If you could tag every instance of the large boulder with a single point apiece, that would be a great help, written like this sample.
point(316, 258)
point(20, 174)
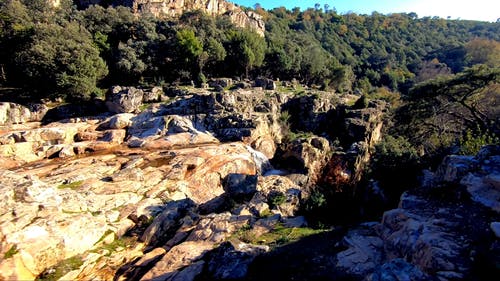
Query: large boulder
point(153, 95)
point(12, 113)
point(178, 258)
point(265, 83)
point(124, 99)
point(231, 260)
point(308, 156)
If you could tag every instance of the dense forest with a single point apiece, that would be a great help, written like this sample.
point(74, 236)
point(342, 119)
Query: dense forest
point(441, 76)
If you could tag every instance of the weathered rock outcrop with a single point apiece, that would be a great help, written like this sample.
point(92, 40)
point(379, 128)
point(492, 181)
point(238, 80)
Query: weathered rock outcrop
point(163, 190)
point(435, 232)
point(11, 113)
point(175, 8)
point(124, 99)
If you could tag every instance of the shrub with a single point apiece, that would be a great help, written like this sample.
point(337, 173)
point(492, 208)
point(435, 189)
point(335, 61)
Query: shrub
point(471, 142)
point(276, 198)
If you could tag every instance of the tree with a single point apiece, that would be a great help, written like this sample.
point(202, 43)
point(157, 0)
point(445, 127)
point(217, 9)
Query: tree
point(60, 60)
point(189, 49)
point(245, 50)
point(483, 51)
point(440, 111)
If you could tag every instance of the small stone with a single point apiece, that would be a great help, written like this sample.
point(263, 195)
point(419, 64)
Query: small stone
point(495, 227)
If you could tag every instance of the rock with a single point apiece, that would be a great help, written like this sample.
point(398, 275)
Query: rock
point(114, 136)
point(495, 227)
point(22, 152)
point(266, 145)
point(14, 269)
point(280, 192)
point(124, 99)
point(216, 228)
point(299, 221)
point(117, 121)
point(11, 113)
point(398, 269)
point(240, 186)
point(190, 272)
point(67, 151)
point(178, 257)
point(221, 82)
point(171, 8)
point(308, 156)
point(37, 111)
point(230, 261)
point(166, 223)
point(267, 84)
point(154, 95)
point(453, 168)
point(364, 252)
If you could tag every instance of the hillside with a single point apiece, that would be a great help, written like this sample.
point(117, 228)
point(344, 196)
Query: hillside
point(171, 140)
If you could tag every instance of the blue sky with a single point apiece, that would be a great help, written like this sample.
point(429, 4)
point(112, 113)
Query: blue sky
point(486, 10)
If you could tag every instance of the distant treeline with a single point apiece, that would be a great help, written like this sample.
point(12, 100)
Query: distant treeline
point(74, 53)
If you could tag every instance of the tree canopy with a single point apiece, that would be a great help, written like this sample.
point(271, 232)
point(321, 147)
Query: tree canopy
point(65, 51)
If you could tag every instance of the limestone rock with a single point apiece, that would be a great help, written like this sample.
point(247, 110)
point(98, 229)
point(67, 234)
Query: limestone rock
point(170, 8)
point(269, 188)
point(153, 95)
point(398, 269)
point(166, 223)
point(240, 186)
point(364, 252)
point(308, 156)
point(177, 258)
point(117, 121)
point(267, 84)
point(230, 261)
point(12, 113)
point(124, 99)
point(216, 228)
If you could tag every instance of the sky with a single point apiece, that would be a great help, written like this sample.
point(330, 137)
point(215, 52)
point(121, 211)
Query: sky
point(484, 10)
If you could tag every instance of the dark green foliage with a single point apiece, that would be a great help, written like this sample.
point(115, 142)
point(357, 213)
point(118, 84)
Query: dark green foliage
point(472, 141)
point(276, 198)
point(395, 166)
point(48, 54)
point(245, 51)
point(324, 49)
point(439, 112)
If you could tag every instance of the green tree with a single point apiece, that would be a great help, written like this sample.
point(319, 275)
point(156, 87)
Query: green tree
point(439, 112)
point(245, 50)
point(190, 56)
point(60, 60)
point(483, 51)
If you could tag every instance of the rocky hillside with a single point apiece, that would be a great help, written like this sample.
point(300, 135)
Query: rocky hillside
point(175, 8)
point(179, 184)
point(154, 193)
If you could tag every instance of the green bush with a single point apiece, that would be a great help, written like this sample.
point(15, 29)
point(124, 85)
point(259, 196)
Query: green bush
point(395, 165)
point(276, 198)
point(471, 142)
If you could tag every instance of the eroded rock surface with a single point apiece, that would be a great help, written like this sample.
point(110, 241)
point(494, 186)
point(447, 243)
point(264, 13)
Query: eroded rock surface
point(435, 232)
point(156, 194)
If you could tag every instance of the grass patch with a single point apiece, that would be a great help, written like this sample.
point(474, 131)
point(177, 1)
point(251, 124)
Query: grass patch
point(143, 107)
point(117, 245)
point(60, 269)
point(72, 185)
point(11, 252)
point(279, 236)
point(291, 136)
